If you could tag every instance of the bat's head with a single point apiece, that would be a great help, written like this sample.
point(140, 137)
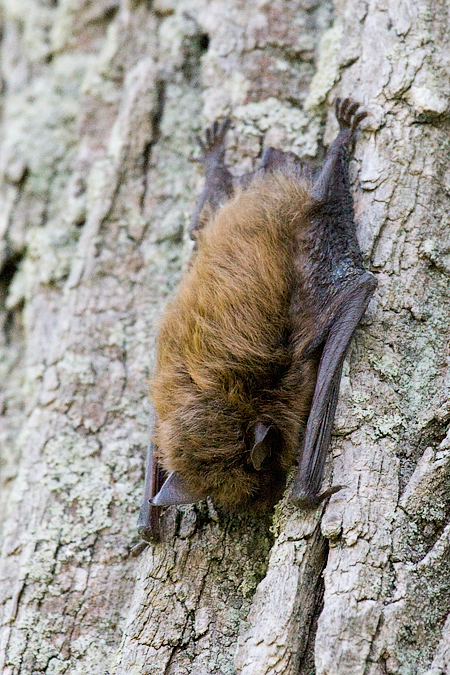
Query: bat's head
point(211, 449)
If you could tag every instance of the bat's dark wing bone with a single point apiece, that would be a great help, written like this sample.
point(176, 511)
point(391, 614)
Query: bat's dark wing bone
point(218, 180)
point(353, 304)
point(148, 521)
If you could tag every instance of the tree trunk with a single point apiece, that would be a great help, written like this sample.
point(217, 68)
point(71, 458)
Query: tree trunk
point(101, 102)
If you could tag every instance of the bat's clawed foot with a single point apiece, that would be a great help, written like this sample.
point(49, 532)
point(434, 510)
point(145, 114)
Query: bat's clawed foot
point(213, 145)
point(308, 500)
point(349, 113)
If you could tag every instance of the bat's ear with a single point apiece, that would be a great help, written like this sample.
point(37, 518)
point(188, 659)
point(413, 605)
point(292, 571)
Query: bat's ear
point(175, 491)
point(262, 446)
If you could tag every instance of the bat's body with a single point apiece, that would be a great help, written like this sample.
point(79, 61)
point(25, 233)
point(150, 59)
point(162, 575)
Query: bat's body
point(250, 351)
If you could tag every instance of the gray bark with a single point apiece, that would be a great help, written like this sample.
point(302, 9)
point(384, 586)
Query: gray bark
point(100, 105)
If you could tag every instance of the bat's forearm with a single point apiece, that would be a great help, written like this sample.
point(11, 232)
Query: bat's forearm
point(148, 520)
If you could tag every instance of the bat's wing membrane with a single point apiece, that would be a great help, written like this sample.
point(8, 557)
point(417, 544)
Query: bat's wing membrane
point(288, 162)
point(148, 521)
point(353, 304)
point(160, 490)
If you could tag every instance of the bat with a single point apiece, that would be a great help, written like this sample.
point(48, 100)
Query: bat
point(250, 351)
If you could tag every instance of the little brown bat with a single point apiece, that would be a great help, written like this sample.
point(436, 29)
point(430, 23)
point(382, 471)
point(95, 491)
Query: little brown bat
point(250, 351)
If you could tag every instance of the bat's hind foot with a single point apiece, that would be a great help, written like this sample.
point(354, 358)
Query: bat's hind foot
point(349, 113)
point(213, 144)
point(308, 500)
point(218, 180)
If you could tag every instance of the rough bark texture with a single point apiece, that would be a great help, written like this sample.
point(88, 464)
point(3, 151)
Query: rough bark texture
point(100, 103)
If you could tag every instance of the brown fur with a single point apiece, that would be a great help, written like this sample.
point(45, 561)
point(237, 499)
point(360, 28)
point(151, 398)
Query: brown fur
point(225, 357)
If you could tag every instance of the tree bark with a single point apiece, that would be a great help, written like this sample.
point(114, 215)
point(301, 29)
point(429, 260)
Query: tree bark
point(100, 105)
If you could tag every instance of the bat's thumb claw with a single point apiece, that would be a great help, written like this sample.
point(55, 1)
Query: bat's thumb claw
point(138, 548)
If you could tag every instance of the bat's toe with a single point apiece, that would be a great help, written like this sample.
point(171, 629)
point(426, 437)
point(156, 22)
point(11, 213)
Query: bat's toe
point(349, 113)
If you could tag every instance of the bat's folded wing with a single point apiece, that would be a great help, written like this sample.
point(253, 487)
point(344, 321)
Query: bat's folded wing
point(350, 309)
